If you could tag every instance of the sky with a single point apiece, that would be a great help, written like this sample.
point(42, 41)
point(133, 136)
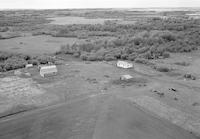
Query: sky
point(63, 4)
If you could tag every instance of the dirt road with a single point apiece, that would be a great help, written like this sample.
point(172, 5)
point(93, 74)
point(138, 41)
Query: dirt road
point(96, 117)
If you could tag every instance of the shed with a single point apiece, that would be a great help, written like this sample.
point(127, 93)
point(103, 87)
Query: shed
point(29, 65)
point(124, 64)
point(126, 77)
point(48, 70)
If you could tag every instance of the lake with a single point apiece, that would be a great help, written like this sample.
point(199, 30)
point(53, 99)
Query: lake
point(79, 20)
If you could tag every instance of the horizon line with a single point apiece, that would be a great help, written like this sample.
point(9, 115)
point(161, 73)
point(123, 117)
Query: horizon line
point(173, 7)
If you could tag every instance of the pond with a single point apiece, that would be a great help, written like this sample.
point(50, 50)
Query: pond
point(79, 20)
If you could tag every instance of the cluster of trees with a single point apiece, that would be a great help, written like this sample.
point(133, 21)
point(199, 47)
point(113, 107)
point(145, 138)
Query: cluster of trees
point(151, 39)
point(186, 32)
point(173, 24)
point(22, 20)
point(146, 44)
point(11, 61)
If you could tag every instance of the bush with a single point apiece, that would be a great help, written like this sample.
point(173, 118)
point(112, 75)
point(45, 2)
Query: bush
point(124, 56)
point(92, 57)
point(87, 47)
point(138, 40)
point(5, 55)
point(168, 36)
point(45, 59)
point(76, 54)
point(14, 63)
point(25, 57)
point(132, 56)
point(66, 49)
point(166, 55)
point(182, 63)
point(84, 55)
point(1, 67)
point(141, 61)
point(33, 61)
point(4, 29)
point(162, 68)
point(190, 76)
point(109, 57)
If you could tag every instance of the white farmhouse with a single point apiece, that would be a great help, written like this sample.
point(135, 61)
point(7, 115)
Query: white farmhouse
point(48, 70)
point(124, 64)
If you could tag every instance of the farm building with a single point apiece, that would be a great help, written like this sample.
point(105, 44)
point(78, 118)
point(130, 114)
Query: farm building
point(124, 64)
point(48, 70)
point(29, 65)
point(126, 77)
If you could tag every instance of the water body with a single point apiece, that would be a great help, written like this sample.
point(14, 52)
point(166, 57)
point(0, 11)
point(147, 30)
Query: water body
point(68, 20)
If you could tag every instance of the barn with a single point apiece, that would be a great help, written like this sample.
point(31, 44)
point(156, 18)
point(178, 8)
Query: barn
point(48, 70)
point(124, 64)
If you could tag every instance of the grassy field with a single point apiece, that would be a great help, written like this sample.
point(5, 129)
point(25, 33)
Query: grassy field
point(163, 47)
point(77, 80)
point(34, 45)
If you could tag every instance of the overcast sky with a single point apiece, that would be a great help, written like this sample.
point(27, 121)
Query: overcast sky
point(48, 4)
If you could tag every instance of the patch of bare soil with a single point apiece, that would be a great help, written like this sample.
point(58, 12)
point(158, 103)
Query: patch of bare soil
point(121, 119)
point(22, 94)
point(130, 82)
point(186, 121)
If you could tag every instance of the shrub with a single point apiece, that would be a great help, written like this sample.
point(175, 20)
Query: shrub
point(58, 52)
point(76, 54)
point(45, 59)
point(92, 57)
point(101, 52)
point(4, 29)
point(147, 55)
point(120, 41)
point(166, 55)
point(124, 56)
point(109, 57)
point(190, 76)
point(182, 63)
point(138, 40)
point(132, 56)
point(14, 63)
point(33, 61)
point(84, 55)
point(87, 47)
point(1, 67)
point(141, 60)
point(162, 68)
point(5, 55)
point(25, 57)
point(168, 36)
point(66, 49)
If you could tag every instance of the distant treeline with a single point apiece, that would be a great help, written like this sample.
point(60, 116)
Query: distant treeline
point(12, 61)
point(152, 39)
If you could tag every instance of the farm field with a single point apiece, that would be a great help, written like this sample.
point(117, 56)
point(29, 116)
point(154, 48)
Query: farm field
point(30, 44)
point(87, 98)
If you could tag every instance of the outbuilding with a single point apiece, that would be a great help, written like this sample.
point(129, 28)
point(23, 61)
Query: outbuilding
point(126, 77)
point(48, 70)
point(124, 64)
point(29, 65)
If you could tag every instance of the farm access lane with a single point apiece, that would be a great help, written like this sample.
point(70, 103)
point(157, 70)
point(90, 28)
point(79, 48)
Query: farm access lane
point(96, 117)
